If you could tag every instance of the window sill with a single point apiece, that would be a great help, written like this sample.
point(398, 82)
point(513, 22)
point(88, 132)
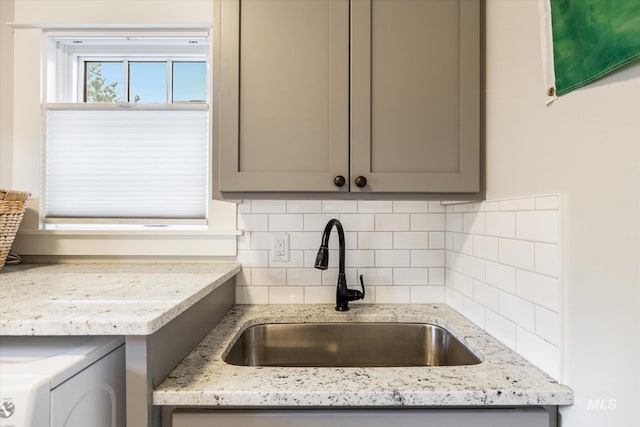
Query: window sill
point(157, 243)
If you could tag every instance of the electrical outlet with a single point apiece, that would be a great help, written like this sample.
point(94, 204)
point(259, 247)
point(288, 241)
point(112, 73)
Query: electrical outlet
point(280, 248)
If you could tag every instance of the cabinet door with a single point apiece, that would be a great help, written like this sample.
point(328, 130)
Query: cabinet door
point(415, 95)
point(284, 97)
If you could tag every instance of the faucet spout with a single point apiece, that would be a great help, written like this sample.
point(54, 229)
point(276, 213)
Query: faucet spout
point(343, 293)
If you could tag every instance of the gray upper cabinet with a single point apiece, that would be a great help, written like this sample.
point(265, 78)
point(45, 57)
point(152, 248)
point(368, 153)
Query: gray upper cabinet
point(385, 90)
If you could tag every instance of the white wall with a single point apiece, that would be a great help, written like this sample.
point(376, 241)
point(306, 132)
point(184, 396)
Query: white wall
point(6, 93)
point(585, 146)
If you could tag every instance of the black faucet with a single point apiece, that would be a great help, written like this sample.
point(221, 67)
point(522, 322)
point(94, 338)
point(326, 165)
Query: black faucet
point(343, 294)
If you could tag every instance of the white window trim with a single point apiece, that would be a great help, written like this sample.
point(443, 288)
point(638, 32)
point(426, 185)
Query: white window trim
point(72, 49)
point(219, 239)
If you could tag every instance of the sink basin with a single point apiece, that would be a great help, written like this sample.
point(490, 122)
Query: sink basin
point(348, 345)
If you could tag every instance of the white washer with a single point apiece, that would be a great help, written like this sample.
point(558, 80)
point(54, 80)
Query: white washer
point(62, 381)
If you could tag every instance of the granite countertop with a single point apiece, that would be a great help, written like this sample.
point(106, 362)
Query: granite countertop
point(102, 299)
point(502, 379)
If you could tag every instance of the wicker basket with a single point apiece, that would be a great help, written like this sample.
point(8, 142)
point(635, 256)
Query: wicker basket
point(12, 207)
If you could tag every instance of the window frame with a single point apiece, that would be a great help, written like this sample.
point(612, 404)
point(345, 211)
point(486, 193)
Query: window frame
point(81, 64)
point(64, 84)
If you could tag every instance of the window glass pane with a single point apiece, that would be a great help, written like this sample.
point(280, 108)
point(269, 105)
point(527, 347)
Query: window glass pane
point(103, 81)
point(189, 82)
point(148, 82)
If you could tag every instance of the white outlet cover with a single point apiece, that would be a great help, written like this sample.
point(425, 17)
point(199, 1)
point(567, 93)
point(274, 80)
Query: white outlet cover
point(280, 247)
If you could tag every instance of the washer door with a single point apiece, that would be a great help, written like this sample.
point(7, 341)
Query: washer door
point(95, 396)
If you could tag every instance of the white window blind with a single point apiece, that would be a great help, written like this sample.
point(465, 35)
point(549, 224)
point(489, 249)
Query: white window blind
point(111, 162)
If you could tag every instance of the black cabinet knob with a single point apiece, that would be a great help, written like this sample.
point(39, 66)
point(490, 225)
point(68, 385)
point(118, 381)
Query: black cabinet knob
point(361, 181)
point(339, 181)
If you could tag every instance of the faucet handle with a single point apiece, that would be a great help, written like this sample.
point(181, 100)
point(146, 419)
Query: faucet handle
point(354, 294)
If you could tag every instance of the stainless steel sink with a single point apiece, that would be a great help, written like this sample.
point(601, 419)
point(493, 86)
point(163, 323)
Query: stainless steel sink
point(348, 345)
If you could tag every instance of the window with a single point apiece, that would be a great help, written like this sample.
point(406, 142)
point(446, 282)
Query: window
point(127, 132)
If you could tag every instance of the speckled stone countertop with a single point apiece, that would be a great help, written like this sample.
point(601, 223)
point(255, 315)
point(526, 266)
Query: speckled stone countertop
point(502, 379)
point(102, 299)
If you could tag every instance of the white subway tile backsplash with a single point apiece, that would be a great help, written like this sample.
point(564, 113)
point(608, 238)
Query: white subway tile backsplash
point(453, 260)
point(319, 295)
point(243, 206)
point(488, 207)
point(252, 295)
point(330, 277)
point(410, 206)
point(268, 276)
point(547, 259)
point(539, 289)
point(340, 206)
point(410, 240)
point(500, 224)
point(453, 299)
point(304, 240)
point(473, 311)
point(253, 258)
point(375, 206)
point(436, 240)
point(304, 276)
point(393, 294)
point(427, 258)
point(392, 258)
point(362, 258)
point(463, 284)
point(518, 310)
point(544, 355)
point(374, 277)
point(296, 260)
point(548, 325)
point(253, 222)
point(473, 223)
point(473, 267)
point(244, 241)
point(485, 247)
point(517, 204)
point(268, 206)
point(375, 240)
point(541, 226)
point(463, 207)
point(244, 277)
point(304, 206)
point(496, 262)
point(392, 222)
point(486, 295)
point(463, 243)
point(286, 222)
point(436, 206)
point(501, 276)
point(358, 222)
point(411, 276)
point(453, 222)
point(316, 222)
point(286, 295)
point(548, 202)
point(261, 240)
point(427, 294)
point(504, 330)
point(427, 222)
point(517, 253)
point(437, 276)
